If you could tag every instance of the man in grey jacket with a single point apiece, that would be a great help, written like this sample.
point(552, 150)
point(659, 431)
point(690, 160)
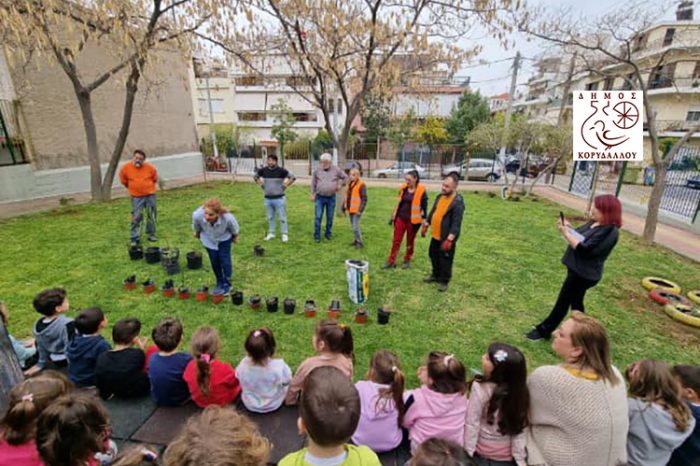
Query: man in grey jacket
point(275, 180)
point(325, 183)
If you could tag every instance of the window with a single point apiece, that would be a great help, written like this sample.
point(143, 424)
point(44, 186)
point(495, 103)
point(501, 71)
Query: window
point(592, 86)
point(304, 116)
point(11, 140)
point(608, 83)
point(668, 38)
point(640, 43)
point(662, 76)
point(334, 104)
point(693, 115)
point(298, 81)
point(217, 106)
point(251, 116)
point(696, 71)
point(250, 80)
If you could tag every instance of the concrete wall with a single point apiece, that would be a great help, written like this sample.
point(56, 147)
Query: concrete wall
point(162, 124)
point(21, 182)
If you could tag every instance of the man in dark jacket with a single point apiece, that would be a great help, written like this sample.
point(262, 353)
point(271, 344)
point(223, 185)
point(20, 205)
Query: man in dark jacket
point(275, 180)
point(445, 222)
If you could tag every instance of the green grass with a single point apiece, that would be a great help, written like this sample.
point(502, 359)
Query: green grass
point(507, 275)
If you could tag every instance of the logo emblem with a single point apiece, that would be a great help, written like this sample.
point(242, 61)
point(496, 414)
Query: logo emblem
point(607, 125)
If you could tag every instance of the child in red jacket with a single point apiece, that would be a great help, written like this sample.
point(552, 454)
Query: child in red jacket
point(211, 382)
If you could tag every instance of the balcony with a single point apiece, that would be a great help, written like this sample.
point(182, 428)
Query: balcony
point(672, 127)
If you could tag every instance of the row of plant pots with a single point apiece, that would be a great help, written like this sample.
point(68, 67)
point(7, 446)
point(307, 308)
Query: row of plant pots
point(256, 301)
point(168, 257)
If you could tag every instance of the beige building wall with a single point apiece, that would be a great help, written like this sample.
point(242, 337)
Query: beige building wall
point(162, 122)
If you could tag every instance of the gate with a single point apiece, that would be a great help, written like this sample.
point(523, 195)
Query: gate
point(682, 193)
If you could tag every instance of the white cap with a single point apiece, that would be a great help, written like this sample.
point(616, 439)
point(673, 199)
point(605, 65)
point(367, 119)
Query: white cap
point(326, 156)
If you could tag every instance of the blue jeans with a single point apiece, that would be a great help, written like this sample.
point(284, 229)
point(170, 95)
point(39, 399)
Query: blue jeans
point(327, 203)
point(138, 204)
point(278, 206)
point(221, 263)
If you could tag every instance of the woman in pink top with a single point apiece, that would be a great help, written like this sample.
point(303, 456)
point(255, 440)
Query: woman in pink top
point(334, 347)
point(497, 416)
point(438, 408)
point(28, 400)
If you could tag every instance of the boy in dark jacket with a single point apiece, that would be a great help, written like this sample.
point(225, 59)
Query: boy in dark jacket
point(166, 367)
point(119, 372)
point(86, 347)
point(688, 454)
point(53, 332)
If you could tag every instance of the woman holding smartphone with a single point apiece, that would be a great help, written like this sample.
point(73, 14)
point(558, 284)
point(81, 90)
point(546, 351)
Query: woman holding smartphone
point(589, 247)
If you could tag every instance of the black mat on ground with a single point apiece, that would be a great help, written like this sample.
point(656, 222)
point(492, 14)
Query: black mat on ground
point(165, 424)
point(126, 416)
point(280, 428)
point(395, 457)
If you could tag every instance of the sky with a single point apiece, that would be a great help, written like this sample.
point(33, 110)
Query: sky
point(494, 78)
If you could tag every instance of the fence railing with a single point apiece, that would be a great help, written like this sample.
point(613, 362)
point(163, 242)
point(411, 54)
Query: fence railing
point(12, 149)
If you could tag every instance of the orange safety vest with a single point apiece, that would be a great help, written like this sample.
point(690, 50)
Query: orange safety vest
point(416, 217)
point(355, 199)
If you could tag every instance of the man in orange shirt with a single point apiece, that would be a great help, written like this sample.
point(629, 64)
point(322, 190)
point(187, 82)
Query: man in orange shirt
point(140, 179)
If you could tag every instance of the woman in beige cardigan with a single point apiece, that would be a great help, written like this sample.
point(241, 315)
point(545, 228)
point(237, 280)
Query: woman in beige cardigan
point(579, 407)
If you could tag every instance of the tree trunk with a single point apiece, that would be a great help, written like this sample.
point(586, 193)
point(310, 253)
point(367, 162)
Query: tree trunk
point(547, 170)
point(342, 154)
point(657, 193)
point(594, 188)
point(93, 151)
point(11, 373)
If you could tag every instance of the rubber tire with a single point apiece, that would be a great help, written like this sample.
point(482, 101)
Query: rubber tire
point(649, 284)
point(661, 296)
point(694, 296)
point(675, 314)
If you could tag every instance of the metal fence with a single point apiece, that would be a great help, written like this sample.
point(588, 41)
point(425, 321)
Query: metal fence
point(12, 149)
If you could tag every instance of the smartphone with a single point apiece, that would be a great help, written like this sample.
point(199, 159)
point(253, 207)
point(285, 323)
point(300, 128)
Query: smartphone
point(561, 217)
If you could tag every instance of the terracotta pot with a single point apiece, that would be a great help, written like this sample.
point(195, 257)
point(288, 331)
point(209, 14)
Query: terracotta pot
point(361, 318)
point(310, 313)
point(129, 285)
point(255, 302)
point(217, 298)
point(149, 288)
point(333, 314)
point(183, 294)
point(169, 292)
point(201, 296)
point(310, 308)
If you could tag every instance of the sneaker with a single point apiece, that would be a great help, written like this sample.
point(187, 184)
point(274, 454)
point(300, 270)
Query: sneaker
point(535, 335)
point(358, 245)
point(406, 265)
point(429, 279)
point(226, 290)
point(134, 242)
point(285, 238)
point(318, 240)
point(217, 290)
point(354, 243)
point(388, 265)
point(442, 287)
point(329, 237)
point(152, 238)
point(269, 237)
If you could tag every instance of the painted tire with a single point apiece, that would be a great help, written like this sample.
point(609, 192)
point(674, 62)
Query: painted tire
point(676, 313)
point(655, 282)
point(664, 297)
point(694, 296)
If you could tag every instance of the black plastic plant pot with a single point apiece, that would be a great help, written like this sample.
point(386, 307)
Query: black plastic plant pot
point(335, 305)
point(152, 255)
point(258, 250)
point(237, 298)
point(168, 284)
point(272, 304)
point(172, 267)
point(289, 305)
point(194, 260)
point(383, 316)
point(136, 252)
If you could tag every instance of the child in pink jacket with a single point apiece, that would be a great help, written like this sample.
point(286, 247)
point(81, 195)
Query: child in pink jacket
point(438, 408)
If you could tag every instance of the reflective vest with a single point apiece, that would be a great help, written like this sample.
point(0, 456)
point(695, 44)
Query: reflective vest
point(355, 199)
point(416, 217)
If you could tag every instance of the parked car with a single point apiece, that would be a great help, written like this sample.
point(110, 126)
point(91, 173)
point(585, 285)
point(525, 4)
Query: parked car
point(479, 169)
point(399, 169)
point(693, 182)
point(350, 164)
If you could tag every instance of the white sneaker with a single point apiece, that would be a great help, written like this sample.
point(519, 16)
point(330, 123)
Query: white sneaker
point(269, 237)
point(285, 238)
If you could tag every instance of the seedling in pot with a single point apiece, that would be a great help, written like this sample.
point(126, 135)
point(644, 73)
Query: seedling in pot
point(130, 282)
point(361, 315)
point(383, 315)
point(183, 292)
point(289, 305)
point(255, 301)
point(310, 308)
point(202, 294)
point(168, 289)
point(149, 286)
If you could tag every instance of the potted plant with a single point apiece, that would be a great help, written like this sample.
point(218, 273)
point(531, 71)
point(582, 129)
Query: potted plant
point(135, 252)
point(194, 260)
point(149, 286)
point(237, 298)
point(289, 305)
point(361, 315)
point(130, 282)
point(183, 293)
point(383, 315)
point(152, 255)
point(168, 289)
point(170, 259)
point(201, 294)
point(272, 304)
point(310, 308)
point(217, 298)
point(334, 310)
point(255, 302)
point(258, 251)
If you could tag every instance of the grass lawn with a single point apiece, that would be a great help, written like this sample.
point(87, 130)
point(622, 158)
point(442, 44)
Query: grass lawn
point(507, 275)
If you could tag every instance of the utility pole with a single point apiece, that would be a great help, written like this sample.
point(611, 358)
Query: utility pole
point(212, 131)
point(567, 89)
point(509, 108)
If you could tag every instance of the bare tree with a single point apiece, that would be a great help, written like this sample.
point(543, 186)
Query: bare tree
point(132, 32)
point(614, 45)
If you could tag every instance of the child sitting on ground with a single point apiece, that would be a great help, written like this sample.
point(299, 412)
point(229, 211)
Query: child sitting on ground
point(382, 408)
point(334, 345)
point(27, 401)
point(499, 403)
point(166, 367)
point(119, 372)
point(329, 410)
point(73, 430)
point(689, 452)
point(25, 350)
point(438, 408)
point(86, 347)
point(659, 420)
point(264, 379)
point(441, 452)
point(219, 436)
point(211, 382)
point(53, 332)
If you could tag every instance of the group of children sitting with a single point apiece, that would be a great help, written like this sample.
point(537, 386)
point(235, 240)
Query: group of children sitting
point(50, 423)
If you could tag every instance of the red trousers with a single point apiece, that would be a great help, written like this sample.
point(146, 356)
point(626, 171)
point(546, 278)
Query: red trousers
point(401, 226)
